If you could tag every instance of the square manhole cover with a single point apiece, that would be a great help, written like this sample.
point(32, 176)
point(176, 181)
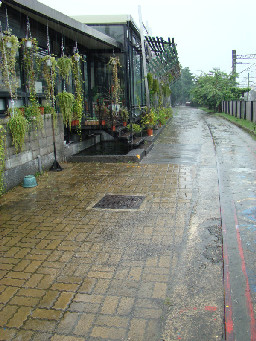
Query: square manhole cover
point(111, 201)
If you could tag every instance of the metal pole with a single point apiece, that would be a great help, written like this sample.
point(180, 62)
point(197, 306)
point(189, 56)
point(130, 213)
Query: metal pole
point(144, 57)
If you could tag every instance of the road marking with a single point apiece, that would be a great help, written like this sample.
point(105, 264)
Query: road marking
point(247, 288)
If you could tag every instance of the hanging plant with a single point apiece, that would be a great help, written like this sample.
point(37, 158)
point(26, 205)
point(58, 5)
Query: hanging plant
point(18, 126)
point(49, 73)
point(155, 86)
point(9, 46)
point(64, 65)
point(2, 157)
point(77, 78)
point(31, 62)
point(124, 114)
point(31, 65)
point(65, 101)
point(150, 80)
point(33, 115)
point(116, 88)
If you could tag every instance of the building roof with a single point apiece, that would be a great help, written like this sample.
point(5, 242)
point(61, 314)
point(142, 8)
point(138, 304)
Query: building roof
point(73, 29)
point(106, 19)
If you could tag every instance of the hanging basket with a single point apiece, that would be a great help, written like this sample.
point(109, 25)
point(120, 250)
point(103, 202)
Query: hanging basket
point(8, 45)
point(48, 62)
point(29, 44)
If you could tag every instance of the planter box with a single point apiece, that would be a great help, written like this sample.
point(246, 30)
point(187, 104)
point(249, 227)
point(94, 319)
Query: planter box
point(92, 123)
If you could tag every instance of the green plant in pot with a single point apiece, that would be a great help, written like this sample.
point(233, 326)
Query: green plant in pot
point(124, 113)
point(9, 46)
point(31, 63)
point(135, 128)
point(161, 116)
point(77, 78)
point(18, 126)
point(33, 115)
point(2, 157)
point(66, 101)
point(64, 65)
point(49, 73)
point(149, 118)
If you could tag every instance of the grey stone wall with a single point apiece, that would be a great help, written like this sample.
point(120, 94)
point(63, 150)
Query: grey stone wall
point(38, 147)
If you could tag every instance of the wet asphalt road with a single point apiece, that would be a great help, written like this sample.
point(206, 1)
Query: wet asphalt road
point(74, 269)
point(232, 169)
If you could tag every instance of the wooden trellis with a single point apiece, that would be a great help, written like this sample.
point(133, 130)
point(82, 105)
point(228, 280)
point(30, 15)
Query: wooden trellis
point(163, 60)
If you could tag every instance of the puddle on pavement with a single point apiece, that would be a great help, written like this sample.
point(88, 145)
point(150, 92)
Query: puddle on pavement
point(107, 148)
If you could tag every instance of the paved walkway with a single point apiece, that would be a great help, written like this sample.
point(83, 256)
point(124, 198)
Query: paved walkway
point(72, 272)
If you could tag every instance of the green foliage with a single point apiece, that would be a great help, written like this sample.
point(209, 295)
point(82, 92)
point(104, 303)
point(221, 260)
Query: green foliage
point(155, 86)
point(9, 46)
point(64, 65)
point(18, 126)
point(49, 73)
point(65, 101)
point(124, 113)
point(31, 63)
point(136, 128)
point(2, 157)
point(77, 77)
point(114, 62)
point(33, 115)
point(213, 88)
point(161, 116)
point(149, 118)
point(181, 89)
point(150, 80)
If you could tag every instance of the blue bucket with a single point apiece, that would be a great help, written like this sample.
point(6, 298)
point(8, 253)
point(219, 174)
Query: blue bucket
point(29, 181)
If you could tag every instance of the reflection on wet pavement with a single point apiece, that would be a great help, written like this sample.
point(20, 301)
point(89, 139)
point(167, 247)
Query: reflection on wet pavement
point(70, 271)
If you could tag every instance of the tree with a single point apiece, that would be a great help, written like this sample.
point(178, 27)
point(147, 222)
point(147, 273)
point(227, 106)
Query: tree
point(213, 88)
point(182, 87)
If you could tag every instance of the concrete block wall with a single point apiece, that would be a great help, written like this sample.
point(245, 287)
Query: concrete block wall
point(37, 150)
point(241, 109)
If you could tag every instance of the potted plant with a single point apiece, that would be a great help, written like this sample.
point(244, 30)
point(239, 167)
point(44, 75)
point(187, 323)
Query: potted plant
point(77, 78)
point(124, 115)
point(161, 117)
point(31, 63)
point(49, 74)
point(135, 128)
point(33, 115)
point(149, 120)
point(64, 65)
point(105, 114)
point(9, 46)
point(65, 101)
point(18, 126)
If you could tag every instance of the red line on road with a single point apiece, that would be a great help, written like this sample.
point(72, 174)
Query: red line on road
point(229, 326)
point(247, 287)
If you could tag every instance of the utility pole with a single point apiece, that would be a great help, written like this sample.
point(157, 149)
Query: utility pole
point(144, 57)
point(234, 63)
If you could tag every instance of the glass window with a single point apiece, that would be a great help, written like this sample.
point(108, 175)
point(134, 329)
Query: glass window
point(114, 31)
point(2, 104)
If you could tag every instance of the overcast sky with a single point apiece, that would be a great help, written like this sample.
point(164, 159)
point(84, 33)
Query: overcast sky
point(205, 31)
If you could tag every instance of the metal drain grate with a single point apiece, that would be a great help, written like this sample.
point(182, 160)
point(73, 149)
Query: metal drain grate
point(120, 202)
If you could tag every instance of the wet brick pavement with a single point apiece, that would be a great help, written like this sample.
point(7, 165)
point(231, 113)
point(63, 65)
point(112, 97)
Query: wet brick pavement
point(73, 272)
point(68, 269)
